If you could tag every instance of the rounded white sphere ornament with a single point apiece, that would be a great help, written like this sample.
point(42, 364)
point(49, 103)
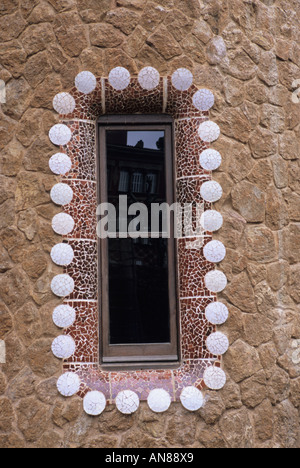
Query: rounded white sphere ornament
point(119, 78)
point(214, 378)
point(182, 79)
point(94, 403)
point(211, 191)
point(62, 254)
point(209, 131)
point(63, 224)
point(214, 251)
point(217, 313)
point(203, 100)
point(149, 78)
point(210, 159)
point(211, 220)
point(127, 402)
point(68, 384)
point(62, 285)
point(191, 399)
point(64, 316)
point(61, 194)
point(215, 281)
point(60, 164)
point(217, 344)
point(159, 400)
point(63, 347)
point(85, 82)
point(60, 134)
point(64, 103)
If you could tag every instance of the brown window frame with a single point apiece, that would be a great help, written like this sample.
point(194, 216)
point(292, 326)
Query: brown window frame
point(143, 356)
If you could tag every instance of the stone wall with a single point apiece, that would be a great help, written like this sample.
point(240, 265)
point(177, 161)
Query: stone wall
point(248, 53)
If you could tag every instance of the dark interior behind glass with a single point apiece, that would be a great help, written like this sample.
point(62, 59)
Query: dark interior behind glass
point(139, 310)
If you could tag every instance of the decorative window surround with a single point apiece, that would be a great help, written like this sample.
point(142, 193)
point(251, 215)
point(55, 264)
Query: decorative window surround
point(76, 132)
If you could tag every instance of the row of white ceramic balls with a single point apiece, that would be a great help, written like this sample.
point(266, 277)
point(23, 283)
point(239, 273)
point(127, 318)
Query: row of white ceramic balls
point(128, 402)
point(120, 78)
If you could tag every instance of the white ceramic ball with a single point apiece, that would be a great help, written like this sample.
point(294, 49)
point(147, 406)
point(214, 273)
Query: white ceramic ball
point(63, 347)
point(68, 384)
point(62, 285)
point(214, 251)
point(119, 78)
point(209, 131)
point(210, 159)
point(64, 103)
point(211, 191)
point(94, 403)
point(127, 402)
point(182, 79)
point(62, 254)
point(60, 134)
point(215, 281)
point(85, 82)
point(211, 220)
point(63, 224)
point(159, 400)
point(149, 78)
point(203, 100)
point(60, 164)
point(192, 399)
point(217, 313)
point(64, 316)
point(61, 194)
point(214, 378)
point(217, 344)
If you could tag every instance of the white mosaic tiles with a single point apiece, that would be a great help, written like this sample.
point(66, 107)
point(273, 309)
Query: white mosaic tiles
point(62, 254)
point(209, 131)
point(68, 384)
point(211, 191)
point(217, 313)
point(63, 347)
point(149, 78)
point(159, 400)
point(64, 103)
point(64, 316)
point(94, 403)
point(119, 78)
point(61, 194)
point(127, 402)
point(217, 343)
point(214, 378)
point(60, 134)
point(62, 285)
point(191, 399)
point(60, 164)
point(182, 79)
point(63, 224)
point(210, 159)
point(215, 281)
point(214, 251)
point(85, 82)
point(211, 220)
point(203, 100)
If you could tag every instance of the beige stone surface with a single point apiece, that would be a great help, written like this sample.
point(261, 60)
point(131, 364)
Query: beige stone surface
point(247, 53)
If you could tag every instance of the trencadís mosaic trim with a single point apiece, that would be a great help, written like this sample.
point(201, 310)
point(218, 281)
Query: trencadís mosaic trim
point(199, 281)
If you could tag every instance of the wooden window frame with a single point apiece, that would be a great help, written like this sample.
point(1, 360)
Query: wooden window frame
point(143, 356)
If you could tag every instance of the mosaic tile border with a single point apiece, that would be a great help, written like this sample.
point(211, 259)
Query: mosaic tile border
point(120, 93)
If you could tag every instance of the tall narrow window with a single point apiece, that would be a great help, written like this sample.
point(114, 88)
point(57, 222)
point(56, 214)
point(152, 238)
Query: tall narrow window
point(137, 261)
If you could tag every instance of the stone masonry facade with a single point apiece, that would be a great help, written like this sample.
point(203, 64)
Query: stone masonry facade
point(247, 52)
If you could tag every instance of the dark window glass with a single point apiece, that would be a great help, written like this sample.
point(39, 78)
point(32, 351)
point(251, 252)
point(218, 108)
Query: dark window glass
point(138, 274)
point(138, 268)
